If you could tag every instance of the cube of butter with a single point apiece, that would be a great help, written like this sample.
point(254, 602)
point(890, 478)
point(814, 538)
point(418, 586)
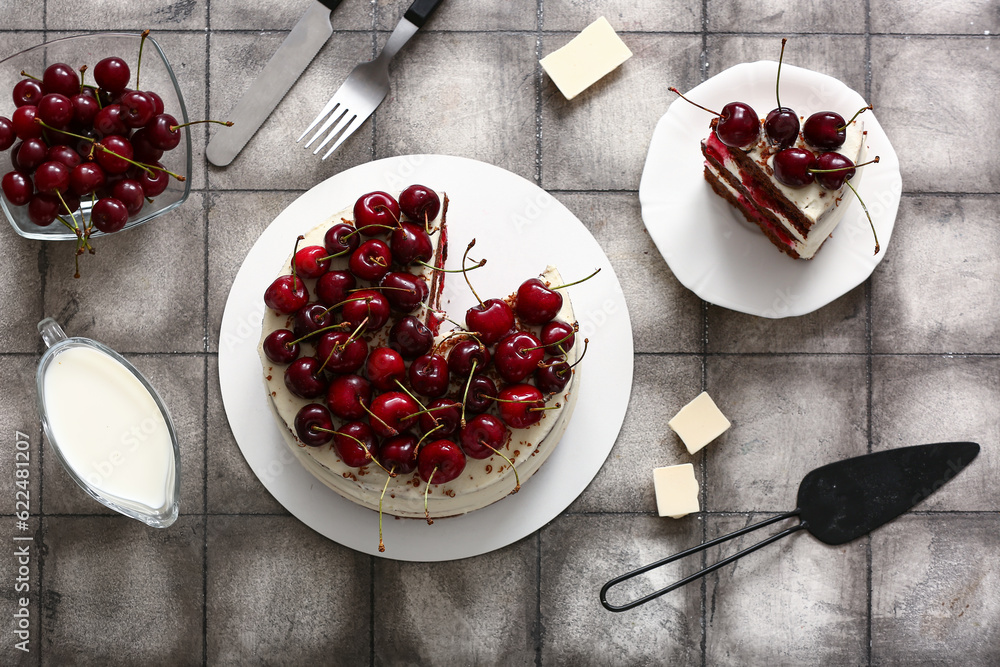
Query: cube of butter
point(699, 422)
point(676, 490)
point(586, 58)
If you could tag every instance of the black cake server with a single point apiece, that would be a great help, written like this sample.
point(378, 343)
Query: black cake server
point(840, 502)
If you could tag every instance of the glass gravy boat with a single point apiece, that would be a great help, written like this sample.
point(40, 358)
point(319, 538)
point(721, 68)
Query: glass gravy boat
point(108, 427)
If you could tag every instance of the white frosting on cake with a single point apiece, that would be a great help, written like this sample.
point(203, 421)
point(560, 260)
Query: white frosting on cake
point(482, 482)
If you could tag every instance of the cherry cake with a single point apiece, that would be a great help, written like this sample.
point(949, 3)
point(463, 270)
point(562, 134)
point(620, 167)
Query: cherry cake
point(387, 399)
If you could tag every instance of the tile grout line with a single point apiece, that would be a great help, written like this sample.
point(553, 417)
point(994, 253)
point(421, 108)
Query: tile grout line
point(43, 266)
point(206, 202)
point(536, 626)
point(371, 559)
point(868, 356)
point(702, 464)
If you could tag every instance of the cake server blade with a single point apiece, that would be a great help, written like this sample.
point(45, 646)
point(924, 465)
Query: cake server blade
point(281, 72)
point(840, 502)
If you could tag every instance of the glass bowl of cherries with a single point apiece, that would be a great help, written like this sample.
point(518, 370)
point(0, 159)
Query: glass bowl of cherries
point(93, 137)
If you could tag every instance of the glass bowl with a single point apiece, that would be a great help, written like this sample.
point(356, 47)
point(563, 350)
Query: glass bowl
point(156, 75)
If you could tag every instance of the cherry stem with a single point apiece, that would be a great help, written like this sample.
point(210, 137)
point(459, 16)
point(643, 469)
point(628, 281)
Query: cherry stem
point(368, 452)
point(392, 431)
point(511, 400)
point(870, 222)
point(427, 514)
point(577, 282)
point(423, 408)
point(29, 76)
point(465, 274)
point(338, 254)
point(777, 79)
point(452, 334)
point(138, 65)
point(381, 544)
point(430, 410)
point(366, 227)
point(341, 346)
point(342, 325)
point(227, 123)
point(831, 171)
point(547, 407)
point(586, 342)
point(366, 299)
point(481, 262)
point(389, 211)
point(381, 287)
point(558, 343)
point(83, 73)
point(860, 111)
point(674, 90)
point(416, 448)
point(517, 478)
point(167, 171)
point(295, 251)
point(465, 394)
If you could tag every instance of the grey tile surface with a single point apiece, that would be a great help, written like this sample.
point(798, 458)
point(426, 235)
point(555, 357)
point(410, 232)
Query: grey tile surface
point(907, 84)
point(140, 601)
point(941, 598)
point(796, 602)
point(909, 357)
point(475, 618)
point(944, 242)
point(279, 593)
point(778, 433)
point(785, 16)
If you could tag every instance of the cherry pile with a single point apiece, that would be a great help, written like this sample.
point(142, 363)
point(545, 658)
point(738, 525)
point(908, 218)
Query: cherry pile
point(738, 126)
point(399, 399)
point(101, 143)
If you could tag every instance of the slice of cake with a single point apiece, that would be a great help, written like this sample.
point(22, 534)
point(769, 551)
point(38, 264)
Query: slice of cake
point(798, 220)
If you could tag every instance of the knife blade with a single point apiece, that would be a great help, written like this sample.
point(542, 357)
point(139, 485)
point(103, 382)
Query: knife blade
point(275, 80)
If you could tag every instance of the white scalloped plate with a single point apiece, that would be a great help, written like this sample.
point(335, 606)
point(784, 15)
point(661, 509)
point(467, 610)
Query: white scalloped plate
point(711, 248)
point(520, 228)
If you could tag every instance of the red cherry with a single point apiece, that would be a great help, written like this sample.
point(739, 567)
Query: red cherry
point(64, 154)
point(371, 260)
point(130, 193)
point(384, 368)
point(393, 412)
point(792, 167)
point(55, 110)
point(405, 291)
point(825, 129)
point(138, 108)
point(519, 405)
point(303, 379)
point(286, 294)
point(464, 353)
point(340, 239)
point(490, 320)
point(313, 425)
point(410, 242)
point(334, 287)
point(536, 303)
point(7, 134)
point(23, 120)
point(410, 337)
point(277, 349)
point(61, 78)
point(482, 390)
point(31, 153)
point(42, 209)
point(17, 187)
point(554, 337)
point(355, 444)
point(157, 101)
point(376, 208)
point(440, 461)
point(782, 127)
point(834, 180)
point(340, 352)
point(109, 215)
point(153, 184)
point(163, 133)
point(109, 121)
point(366, 305)
point(309, 262)
point(517, 356)
point(552, 376)
point(52, 177)
point(419, 203)
point(144, 151)
point(429, 375)
point(348, 396)
point(115, 157)
point(739, 125)
point(85, 108)
point(112, 74)
point(27, 91)
point(445, 416)
point(482, 435)
point(399, 453)
point(311, 318)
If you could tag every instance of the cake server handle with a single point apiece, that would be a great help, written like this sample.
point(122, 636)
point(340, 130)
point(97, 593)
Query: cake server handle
point(701, 573)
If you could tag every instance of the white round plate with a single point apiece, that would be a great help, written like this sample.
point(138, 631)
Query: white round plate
point(520, 229)
point(709, 245)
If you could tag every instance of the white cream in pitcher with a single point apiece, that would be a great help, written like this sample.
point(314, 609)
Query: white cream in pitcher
point(109, 428)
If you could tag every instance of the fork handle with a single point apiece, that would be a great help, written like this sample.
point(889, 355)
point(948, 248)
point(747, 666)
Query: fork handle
point(420, 11)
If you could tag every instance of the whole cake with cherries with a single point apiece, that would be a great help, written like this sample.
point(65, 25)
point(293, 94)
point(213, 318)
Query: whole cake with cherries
point(385, 398)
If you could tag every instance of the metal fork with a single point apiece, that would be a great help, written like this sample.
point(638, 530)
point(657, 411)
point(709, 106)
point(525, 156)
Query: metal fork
point(367, 84)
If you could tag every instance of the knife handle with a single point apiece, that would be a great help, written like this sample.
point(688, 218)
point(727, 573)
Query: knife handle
point(420, 11)
point(701, 573)
point(331, 4)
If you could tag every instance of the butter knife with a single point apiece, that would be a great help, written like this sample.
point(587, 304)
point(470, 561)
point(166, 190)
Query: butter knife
point(296, 52)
